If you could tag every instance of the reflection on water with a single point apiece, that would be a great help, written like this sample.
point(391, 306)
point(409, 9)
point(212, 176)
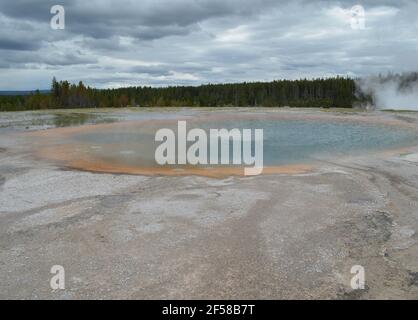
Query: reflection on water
point(78, 119)
point(29, 121)
point(39, 120)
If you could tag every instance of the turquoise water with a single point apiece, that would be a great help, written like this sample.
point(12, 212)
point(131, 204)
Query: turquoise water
point(285, 141)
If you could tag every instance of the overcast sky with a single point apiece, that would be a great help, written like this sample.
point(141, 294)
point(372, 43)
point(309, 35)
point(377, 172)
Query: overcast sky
point(113, 43)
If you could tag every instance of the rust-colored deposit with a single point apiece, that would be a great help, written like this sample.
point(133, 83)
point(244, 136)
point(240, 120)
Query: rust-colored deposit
point(68, 156)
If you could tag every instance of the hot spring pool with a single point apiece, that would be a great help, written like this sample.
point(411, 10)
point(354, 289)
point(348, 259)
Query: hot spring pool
point(130, 146)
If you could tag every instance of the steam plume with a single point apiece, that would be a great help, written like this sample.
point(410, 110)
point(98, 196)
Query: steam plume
point(393, 91)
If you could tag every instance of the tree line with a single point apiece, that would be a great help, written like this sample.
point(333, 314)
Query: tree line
point(326, 93)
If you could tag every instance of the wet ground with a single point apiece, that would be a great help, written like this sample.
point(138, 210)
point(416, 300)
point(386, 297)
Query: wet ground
point(279, 236)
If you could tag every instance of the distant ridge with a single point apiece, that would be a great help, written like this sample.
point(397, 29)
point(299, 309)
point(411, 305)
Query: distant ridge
point(20, 92)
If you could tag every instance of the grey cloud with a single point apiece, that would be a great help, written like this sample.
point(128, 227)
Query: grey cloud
point(151, 70)
point(166, 70)
point(66, 59)
point(146, 19)
point(173, 42)
point(27, 59)
point(16, 44)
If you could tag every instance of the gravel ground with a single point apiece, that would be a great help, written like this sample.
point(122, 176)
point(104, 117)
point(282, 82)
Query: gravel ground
point(266, 237)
